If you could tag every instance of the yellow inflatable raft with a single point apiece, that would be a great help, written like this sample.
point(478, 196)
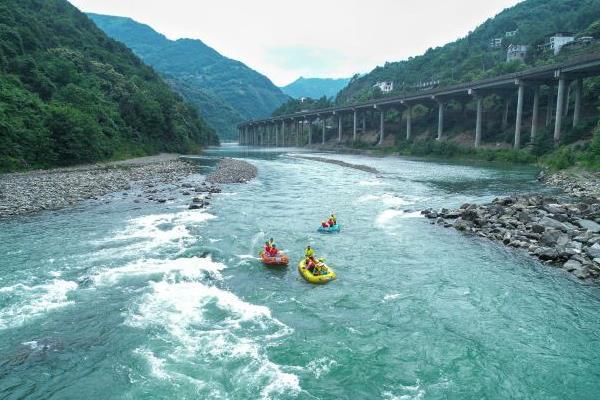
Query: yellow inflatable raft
point(316, 279)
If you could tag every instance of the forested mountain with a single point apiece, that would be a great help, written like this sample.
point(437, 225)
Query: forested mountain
point(225, 91)
point(314, 87)
point(69, 94)
point(528, 23)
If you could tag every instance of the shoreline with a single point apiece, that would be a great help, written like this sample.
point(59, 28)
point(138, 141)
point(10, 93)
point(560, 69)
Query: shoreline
point(145, 179)
point(561, 232)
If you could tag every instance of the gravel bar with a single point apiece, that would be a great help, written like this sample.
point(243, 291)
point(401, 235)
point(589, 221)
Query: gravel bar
point(359, 167)
point(29, 192)
point(233, 171)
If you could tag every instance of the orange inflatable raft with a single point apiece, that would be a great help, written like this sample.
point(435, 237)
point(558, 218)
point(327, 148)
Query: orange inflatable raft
point(280, 259)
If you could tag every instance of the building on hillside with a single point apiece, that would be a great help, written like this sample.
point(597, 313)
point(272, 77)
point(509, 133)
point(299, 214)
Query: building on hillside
point(579, 43)
point(511, 33)
point(496, 43)
point(385, 87)
point(516, 52)
point(302, 99)
point(432, 84)
point(558, 40)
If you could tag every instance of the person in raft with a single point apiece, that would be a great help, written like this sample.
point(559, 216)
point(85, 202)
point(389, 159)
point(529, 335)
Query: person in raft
point(273, 252)
point(267, 248)
point(270, 248)
point(333, 219)
point(309, 252)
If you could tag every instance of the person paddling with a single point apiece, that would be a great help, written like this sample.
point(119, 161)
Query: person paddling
point(309, 252)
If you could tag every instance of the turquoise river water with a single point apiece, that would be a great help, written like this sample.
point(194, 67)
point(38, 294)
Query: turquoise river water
point(117, 300)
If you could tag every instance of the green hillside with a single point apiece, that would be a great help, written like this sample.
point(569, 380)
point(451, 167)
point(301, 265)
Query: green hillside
point(472, 57)
point(69, 94)
point(315, 88)
point(200, 74)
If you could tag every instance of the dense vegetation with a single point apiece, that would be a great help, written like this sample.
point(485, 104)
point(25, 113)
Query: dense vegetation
point(295, 105)
point(69, 94)
point(224, 91)
point(314, 87)
point(471, 58)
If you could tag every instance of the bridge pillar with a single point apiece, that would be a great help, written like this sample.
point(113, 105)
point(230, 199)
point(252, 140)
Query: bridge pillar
point(519, 120)
point(560, 105)
point(549, 108)
point(324, 128)
point(478, 125)
point(408, 122)
point(283, 133)
point(298, 127)
point(381, 126)
point(340, 128)
point(364, 121)
point(505, 115)
point(578, 94)
point(310, 126)
point(535, 114)
point(354, 120)
point(440, 120)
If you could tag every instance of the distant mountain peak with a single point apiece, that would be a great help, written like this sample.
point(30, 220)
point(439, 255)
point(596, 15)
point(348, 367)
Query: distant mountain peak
point(315, 87)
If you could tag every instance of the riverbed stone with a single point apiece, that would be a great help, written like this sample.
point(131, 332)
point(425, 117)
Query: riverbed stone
point(593, 251)
point(572, 265)
point(591, 226)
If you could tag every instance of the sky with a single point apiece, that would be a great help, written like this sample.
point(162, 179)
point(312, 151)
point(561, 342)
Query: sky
point(286, 39)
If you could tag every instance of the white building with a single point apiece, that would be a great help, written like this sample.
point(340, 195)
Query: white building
point(496, 43)
point(559, 40)
point(511, 33)
point(385, 87)
point(516, 52)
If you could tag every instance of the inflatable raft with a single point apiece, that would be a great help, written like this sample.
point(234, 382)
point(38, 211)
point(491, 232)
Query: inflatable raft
point(331, 229)
point(316, 279)
point(274, 261)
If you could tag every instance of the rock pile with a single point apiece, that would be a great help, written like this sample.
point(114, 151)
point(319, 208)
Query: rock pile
point(233, 171)
point(580, 184)
point(565, 235)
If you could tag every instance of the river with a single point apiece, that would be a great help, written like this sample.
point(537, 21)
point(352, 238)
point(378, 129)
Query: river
point(122, 301)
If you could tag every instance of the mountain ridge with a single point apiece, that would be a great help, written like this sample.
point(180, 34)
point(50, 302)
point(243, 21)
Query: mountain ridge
point(200, 74)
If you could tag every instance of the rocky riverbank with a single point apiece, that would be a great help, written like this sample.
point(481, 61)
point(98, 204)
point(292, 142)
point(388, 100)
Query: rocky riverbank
point(232, 171)
point(29, 192)
point(562, 234)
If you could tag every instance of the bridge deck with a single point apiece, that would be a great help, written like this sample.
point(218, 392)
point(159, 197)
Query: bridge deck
point(580, 67)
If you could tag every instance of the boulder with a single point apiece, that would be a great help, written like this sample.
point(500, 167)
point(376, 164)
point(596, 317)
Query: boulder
point(554, 208)
point(572, 265)
point(195, 206)
point(548, 222)
point(523, 217)
point(588, 225)
point(593, 251)
point(550, 237)
point(547, 253)
point(537, 228)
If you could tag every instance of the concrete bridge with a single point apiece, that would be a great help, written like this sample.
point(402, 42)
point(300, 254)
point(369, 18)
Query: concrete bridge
point(290, 130)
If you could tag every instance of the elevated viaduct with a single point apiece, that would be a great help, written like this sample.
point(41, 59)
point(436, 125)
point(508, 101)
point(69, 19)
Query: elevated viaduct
point(303, 127)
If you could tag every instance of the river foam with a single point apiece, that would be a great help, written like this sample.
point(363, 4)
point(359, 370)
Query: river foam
point(208, 331)
point(28, 302)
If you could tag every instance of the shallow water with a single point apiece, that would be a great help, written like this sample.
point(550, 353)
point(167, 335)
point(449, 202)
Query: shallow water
point(117, 300)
